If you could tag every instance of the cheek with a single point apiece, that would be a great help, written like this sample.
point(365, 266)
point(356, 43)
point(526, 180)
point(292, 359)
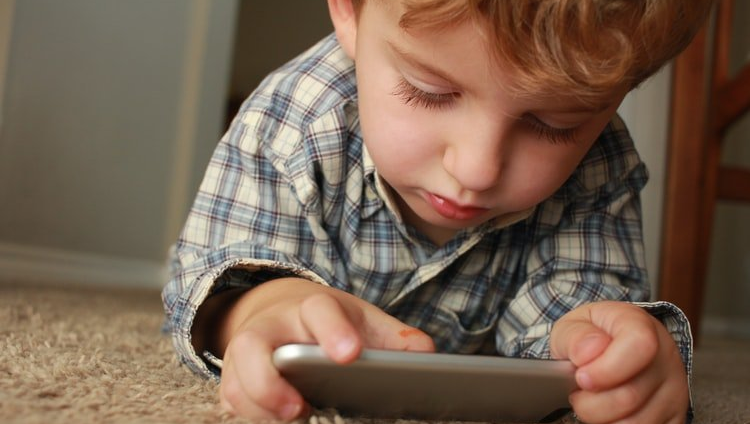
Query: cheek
point(404, 133)
point(540, 168)
point(395, 132)
point(397, 150)
point(536, 174)
point(382, 112)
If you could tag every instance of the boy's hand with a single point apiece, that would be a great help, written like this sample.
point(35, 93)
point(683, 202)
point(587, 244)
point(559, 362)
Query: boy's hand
point(629, 368)
point(292, 310)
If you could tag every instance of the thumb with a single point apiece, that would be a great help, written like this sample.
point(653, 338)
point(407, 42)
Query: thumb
point(578, 340)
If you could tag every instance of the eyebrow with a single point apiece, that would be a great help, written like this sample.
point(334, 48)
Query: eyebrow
point(425, 67)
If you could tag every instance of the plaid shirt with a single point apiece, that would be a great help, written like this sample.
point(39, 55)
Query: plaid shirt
point(290, 190)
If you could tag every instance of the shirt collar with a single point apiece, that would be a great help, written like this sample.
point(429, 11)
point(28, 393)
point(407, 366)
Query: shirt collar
point(381, 187)
point(373, 197)
point(510, 219)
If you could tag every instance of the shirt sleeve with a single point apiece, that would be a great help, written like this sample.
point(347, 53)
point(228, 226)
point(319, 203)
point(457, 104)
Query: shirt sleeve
point(247, 225)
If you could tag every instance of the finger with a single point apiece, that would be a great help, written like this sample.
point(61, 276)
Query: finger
point(634, 345)
point(577, 340)
point(252, 386)
point(336, 322)
point(617, 403)
point(668, 404)
point(234, 399)
point(331, 327)
point(384, 331)
point(396, 335)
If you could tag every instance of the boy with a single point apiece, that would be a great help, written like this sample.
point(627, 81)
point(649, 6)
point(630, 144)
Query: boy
point(466, 187)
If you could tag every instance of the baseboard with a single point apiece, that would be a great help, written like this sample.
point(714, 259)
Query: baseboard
point(726, 327)
point(54, 266)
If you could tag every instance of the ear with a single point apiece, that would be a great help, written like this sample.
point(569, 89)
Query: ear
point(345, 23)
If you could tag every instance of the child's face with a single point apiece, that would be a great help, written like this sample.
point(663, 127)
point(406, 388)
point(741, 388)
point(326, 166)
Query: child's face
point(456, 148)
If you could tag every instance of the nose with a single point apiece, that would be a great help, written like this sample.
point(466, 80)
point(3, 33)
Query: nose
point(474, 156)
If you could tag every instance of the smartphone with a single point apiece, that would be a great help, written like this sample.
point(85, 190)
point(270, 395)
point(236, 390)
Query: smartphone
point(430, 386)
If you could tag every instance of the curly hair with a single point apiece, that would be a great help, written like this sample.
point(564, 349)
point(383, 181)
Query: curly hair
point(585, 48)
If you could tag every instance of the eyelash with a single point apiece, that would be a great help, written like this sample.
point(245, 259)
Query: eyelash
point(413, 96)
point(552, 134)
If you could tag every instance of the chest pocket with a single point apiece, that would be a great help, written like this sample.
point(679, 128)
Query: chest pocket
point(457, 322)
point(461, 306)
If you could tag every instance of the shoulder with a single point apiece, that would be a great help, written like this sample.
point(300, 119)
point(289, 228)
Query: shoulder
point(316, 91)
point(611, 165)
point(302, 121)
point(610, 176)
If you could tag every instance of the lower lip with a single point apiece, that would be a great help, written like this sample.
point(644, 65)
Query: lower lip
point(450, 210)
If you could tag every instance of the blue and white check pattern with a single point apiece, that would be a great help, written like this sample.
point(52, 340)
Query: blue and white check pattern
point(290, 190)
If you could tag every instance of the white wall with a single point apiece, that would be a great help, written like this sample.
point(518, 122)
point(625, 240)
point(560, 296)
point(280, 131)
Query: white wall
point(646, 111)
point(106, 104)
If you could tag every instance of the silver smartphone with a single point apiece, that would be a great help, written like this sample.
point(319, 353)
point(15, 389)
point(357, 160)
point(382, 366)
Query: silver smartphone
point(430, 386)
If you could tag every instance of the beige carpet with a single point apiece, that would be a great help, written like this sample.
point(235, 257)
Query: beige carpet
point(81, 355)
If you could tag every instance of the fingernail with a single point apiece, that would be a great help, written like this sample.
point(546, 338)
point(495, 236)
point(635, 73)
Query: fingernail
point(584, 380)
point(588, 349)
point(290, 411)
point(345, 346)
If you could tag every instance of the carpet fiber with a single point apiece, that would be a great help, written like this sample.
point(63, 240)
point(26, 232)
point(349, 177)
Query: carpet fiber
point(82, 355)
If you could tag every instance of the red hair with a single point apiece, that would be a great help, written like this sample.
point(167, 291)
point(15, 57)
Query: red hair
point(585, 48)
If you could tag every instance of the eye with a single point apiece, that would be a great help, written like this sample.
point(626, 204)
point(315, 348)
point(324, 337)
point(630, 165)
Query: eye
point(552, 134)
point(414, 96)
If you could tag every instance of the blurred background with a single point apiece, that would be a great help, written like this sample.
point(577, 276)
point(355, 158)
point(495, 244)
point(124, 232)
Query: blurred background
point(110, 109)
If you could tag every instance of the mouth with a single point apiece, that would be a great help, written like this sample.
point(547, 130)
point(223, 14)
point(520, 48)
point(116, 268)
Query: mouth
point(451, 210)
